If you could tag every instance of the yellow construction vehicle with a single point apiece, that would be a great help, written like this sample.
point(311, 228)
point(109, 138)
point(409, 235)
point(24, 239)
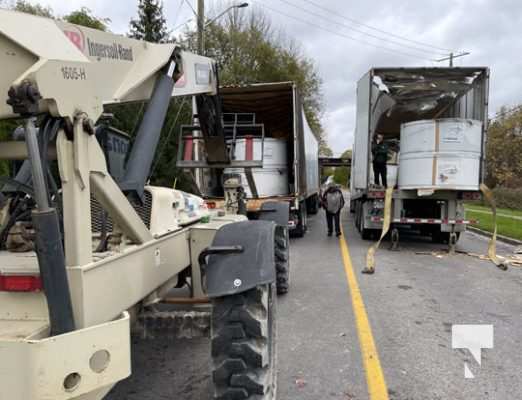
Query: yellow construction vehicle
point(85, 255)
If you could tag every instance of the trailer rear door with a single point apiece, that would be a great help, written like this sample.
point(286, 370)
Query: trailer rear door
point(362, 140)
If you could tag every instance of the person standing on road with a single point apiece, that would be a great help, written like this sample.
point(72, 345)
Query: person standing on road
point(333, 202)
point(380, 158)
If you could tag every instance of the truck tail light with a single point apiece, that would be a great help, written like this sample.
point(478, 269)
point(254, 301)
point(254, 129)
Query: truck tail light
point(211, 205)
point(20, 283)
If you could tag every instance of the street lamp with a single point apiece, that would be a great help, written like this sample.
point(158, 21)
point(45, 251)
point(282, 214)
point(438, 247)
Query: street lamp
point(200, 15)
point(242, 5)
point(201, 21)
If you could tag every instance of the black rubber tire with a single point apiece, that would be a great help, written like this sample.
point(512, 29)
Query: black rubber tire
point(442, 237)
point(313, 205)
point(358, 215)
point(244, 345)
point(366, 234)
point(282, 259)
point(300, 229)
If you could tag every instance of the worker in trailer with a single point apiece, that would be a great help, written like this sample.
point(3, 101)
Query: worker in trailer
point(380, 158)
point(332, 201)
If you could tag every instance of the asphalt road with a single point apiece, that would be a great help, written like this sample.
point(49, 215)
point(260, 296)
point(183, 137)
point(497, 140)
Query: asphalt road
point(411, 303)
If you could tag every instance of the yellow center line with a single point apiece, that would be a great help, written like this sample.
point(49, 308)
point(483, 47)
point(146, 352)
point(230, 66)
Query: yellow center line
point(377, 389)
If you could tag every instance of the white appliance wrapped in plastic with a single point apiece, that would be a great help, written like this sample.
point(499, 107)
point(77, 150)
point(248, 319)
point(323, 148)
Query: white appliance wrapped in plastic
point(440, 154)
point(272, 179)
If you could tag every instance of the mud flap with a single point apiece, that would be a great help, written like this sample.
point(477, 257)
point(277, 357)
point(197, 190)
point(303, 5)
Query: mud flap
point(276, 211)
point(241, 257)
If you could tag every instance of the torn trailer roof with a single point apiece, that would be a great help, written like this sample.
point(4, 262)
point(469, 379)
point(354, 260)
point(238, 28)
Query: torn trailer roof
point(400, 95)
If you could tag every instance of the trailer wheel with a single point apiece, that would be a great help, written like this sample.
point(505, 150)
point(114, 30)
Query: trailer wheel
point(244, 345)
point(358, 215)
point(442, 237)
point(282, 259)
point(300, 229)
point(313, 205)
point(366, 234)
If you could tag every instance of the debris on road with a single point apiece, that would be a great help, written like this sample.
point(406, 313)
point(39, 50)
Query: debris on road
point(300, 383)
point(515, 260)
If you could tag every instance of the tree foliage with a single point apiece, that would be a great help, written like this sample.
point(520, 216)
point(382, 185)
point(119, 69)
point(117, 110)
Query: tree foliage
point(35, 9)
point(504, 149)
point(151, 24)
point(342, 174)
point(84, 17)
point(248, 50)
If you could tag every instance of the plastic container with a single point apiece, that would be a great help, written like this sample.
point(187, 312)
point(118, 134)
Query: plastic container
point(440, 154)
point(272, 179)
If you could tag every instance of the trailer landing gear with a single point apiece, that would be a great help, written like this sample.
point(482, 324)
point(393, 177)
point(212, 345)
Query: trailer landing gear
point(394, 239)
point(452, 242)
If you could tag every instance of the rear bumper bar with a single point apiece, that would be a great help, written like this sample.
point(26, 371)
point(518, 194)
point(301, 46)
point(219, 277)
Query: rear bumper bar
point(434, 221)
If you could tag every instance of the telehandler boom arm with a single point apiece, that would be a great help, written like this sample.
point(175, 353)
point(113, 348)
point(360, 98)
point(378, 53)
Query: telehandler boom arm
point(66, 69)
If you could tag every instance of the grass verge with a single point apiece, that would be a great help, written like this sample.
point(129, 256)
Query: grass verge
point(504, 211)
point(506, 226)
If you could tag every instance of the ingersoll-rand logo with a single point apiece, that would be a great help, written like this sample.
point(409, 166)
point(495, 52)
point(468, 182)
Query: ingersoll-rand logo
point(92, 48)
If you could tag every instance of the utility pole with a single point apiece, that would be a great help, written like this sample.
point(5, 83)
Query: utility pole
point(201, 27)
point(452, 56)
point(201, 50)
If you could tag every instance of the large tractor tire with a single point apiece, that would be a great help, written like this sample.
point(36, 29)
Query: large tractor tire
point(244, 345)
point(282, 259)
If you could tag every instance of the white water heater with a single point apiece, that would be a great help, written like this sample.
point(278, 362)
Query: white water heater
point(272, 179)
point(440, 154)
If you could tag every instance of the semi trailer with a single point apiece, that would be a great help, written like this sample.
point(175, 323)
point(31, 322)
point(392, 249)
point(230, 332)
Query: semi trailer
point(275, 151)
point(434, 121)
point(88, 248)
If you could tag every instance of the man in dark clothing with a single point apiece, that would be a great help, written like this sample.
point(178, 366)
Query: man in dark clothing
point(380, 157)
point(333, 202)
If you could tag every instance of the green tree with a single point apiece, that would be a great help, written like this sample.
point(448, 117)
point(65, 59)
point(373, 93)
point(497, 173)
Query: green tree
point(84, 17)
point(150, 25)
point(248, 50)
point(504, 146)
point(324, 149)
point(342, 174)
point(35, 9)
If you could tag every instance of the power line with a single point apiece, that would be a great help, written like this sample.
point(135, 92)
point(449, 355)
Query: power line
point(192, 8)
point(183, 24)
point(388, 49)
point(506, 112)
point(354, 21)
point(395, 42)
point(181, 2)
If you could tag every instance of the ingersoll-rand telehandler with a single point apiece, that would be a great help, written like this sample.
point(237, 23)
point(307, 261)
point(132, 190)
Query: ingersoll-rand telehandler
point(84, 255)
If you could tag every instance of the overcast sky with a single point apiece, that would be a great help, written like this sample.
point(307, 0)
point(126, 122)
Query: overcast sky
point(489, 29)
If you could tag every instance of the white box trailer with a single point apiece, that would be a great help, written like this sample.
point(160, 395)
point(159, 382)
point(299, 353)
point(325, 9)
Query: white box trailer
point(436, 120)
point(294, 176)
